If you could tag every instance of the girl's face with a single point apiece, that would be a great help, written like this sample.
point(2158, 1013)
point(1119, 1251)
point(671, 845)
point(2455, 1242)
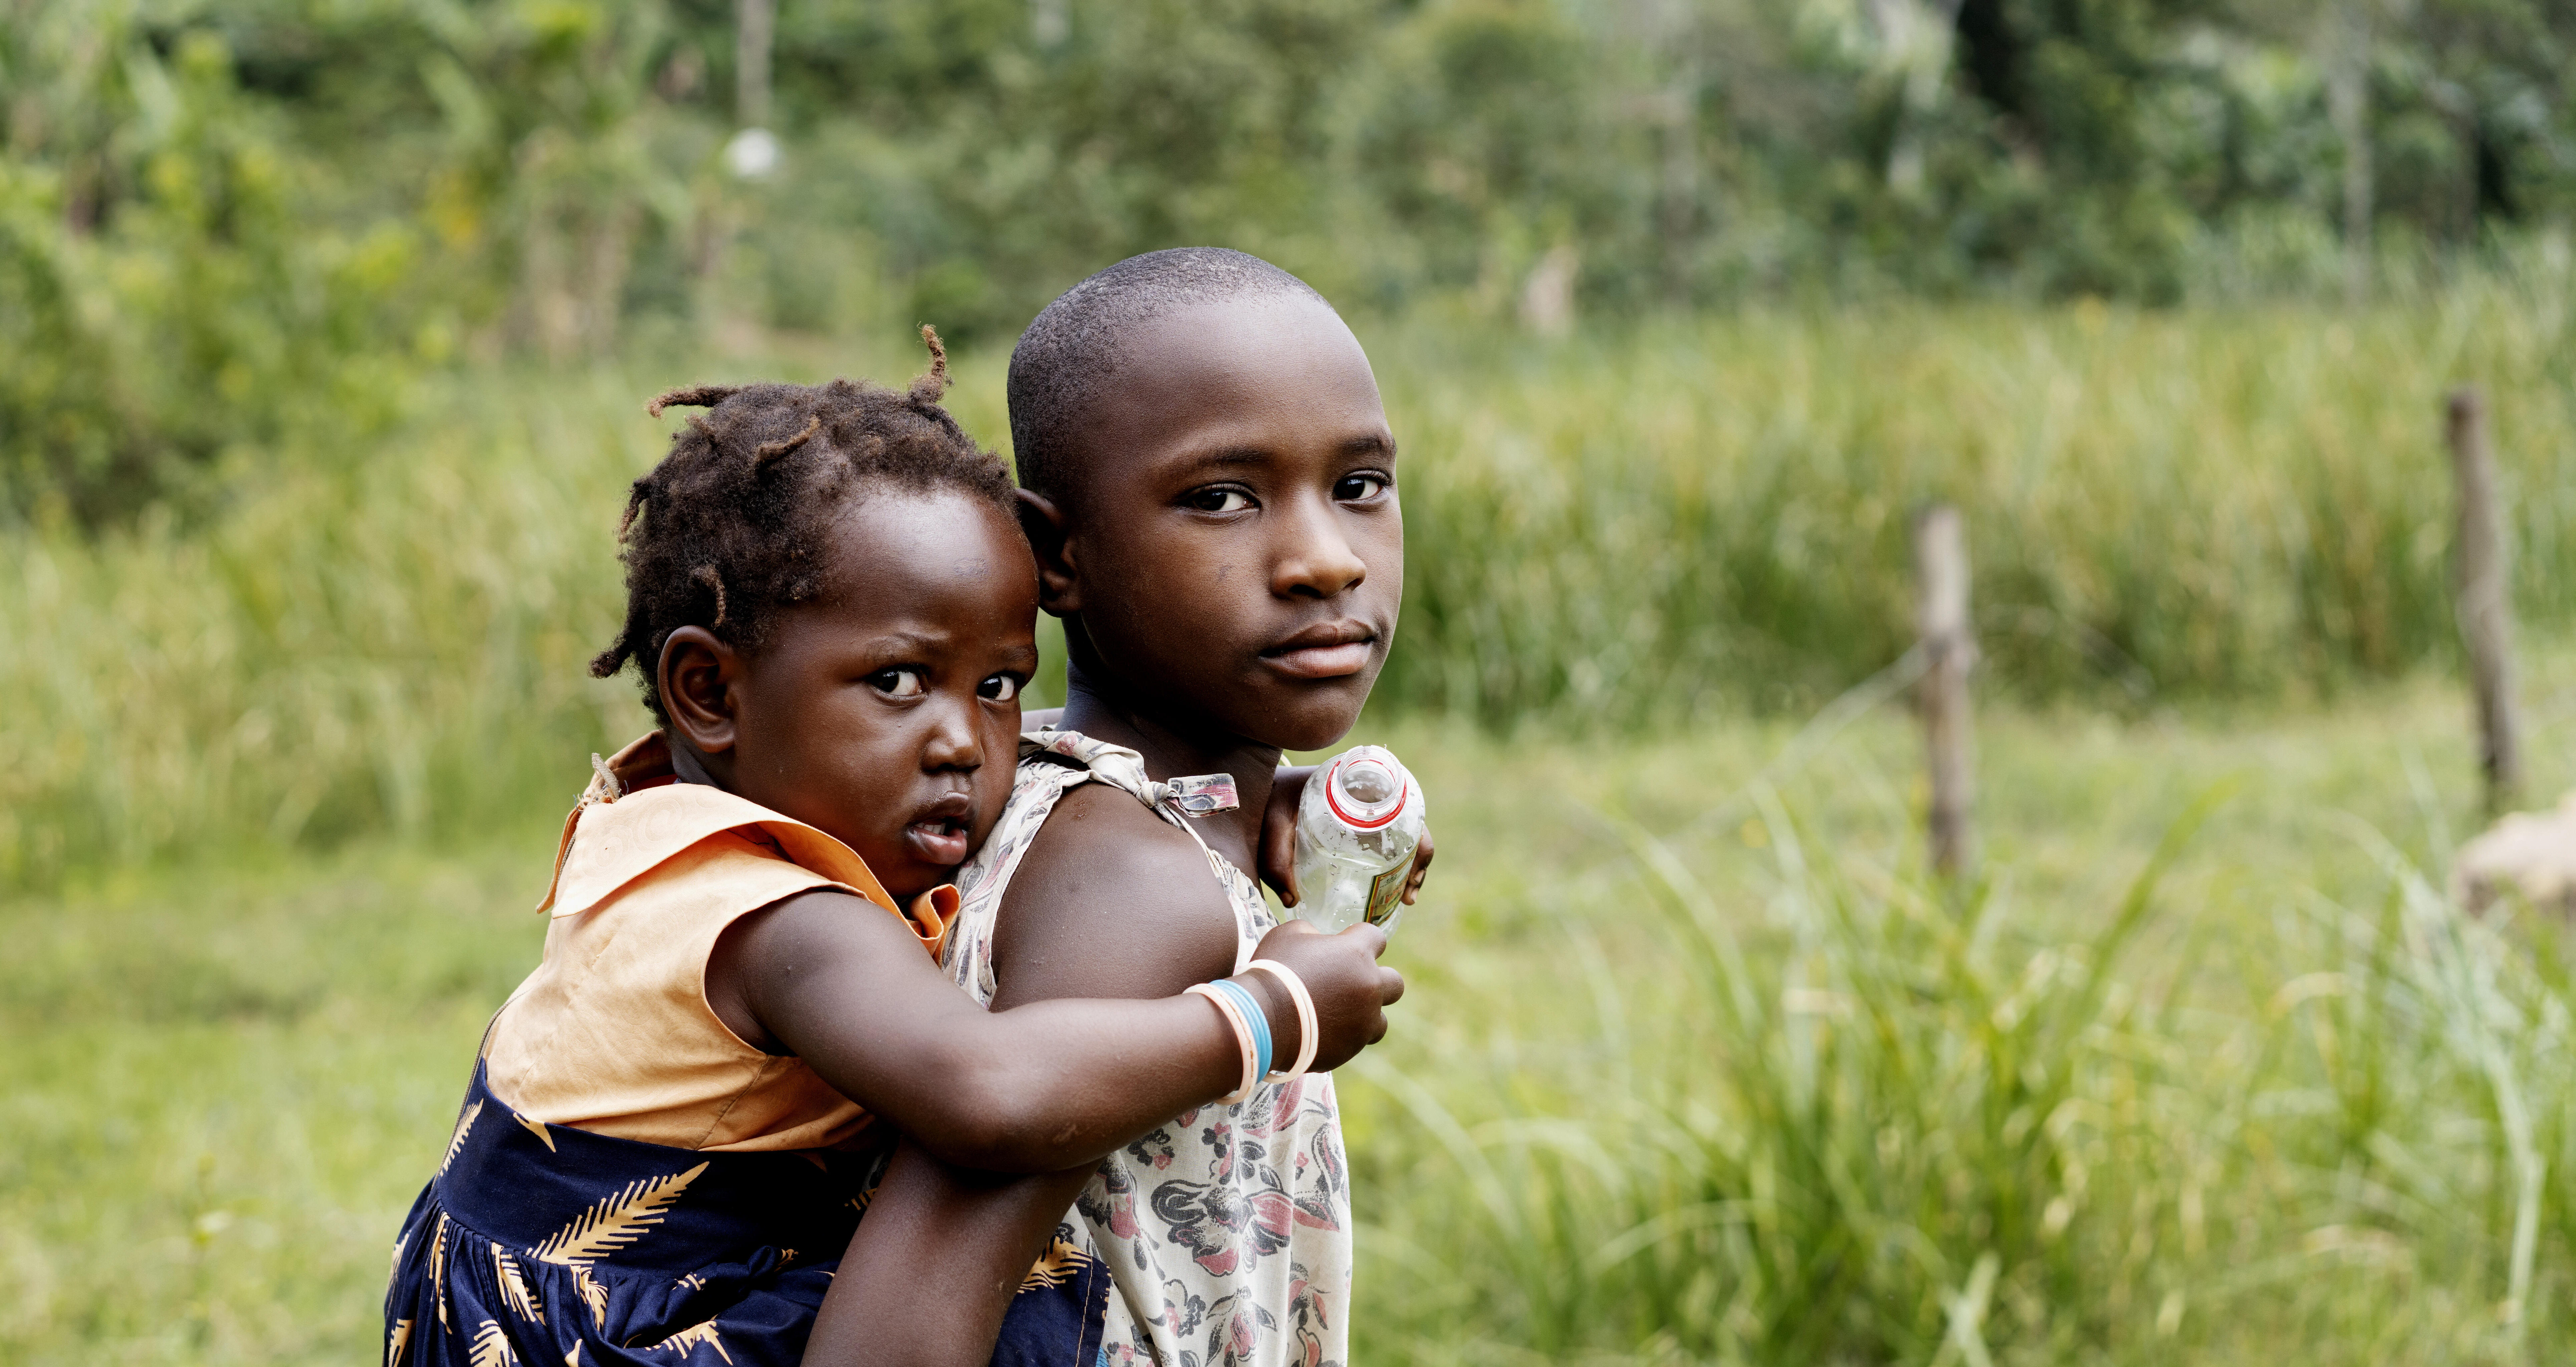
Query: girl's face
point(1236, 551)
point(886, 711)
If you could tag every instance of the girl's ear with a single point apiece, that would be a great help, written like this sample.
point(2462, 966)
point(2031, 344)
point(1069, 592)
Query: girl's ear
point(1059, 586)
point(695, 678)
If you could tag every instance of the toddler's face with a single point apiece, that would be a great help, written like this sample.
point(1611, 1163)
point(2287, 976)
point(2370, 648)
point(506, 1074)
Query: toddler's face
point(886, 712)
point(1238, 551)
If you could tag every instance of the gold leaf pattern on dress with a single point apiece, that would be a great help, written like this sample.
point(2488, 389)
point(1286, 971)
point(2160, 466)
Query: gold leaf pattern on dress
point(397, 1258)
point(438, 1269)
point(396, 1342)
point(514, 1288)
point(694, 1282)
point(618, 1220)
point(491, 1347)
point(1061, 1263)
point(537, 1128)
point(457, 1141)
point(593, 1294)
point(572, 1356)
point(685, 1341)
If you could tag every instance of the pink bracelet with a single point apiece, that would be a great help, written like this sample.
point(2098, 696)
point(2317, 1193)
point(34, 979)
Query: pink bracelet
point(1242, 1039)
point(1305, 1001)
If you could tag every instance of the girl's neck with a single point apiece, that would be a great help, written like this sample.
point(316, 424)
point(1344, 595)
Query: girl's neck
point(1175, 748)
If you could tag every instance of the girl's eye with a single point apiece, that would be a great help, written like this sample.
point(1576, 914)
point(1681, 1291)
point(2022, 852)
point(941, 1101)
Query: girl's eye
point(999, 688)
point(1218, 500)
point(898, 683)
point(1359, 488)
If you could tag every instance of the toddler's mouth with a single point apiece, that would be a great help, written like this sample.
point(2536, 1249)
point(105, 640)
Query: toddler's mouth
point(938, 834)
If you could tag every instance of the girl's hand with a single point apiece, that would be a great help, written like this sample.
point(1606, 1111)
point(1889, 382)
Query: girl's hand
point(1341, 972)
point(1279, 839)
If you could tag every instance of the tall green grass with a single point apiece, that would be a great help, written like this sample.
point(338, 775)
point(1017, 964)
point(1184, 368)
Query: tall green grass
point(1641, 525)
point(1696, 1066)
point(2239, 501)
point(1782, 1098)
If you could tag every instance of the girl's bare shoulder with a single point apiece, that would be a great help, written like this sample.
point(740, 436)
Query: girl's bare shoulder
point(1110, 901)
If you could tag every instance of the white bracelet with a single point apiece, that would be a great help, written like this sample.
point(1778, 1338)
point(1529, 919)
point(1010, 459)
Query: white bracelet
point(1305, 1000)
point(1242, 1038)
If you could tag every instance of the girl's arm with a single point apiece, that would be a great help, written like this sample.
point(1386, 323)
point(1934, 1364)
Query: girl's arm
point(1279, 839)
point(1278, 823)
point(973, 1235)
point(1098, 905)
point(843, 985)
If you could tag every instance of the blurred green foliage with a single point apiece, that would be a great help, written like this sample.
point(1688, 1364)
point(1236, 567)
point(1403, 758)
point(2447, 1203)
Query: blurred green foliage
point(1609, 533)
point(230, 228)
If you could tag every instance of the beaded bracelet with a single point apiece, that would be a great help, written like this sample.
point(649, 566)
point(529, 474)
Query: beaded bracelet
point(1306, 1031)
point(1233, 1014)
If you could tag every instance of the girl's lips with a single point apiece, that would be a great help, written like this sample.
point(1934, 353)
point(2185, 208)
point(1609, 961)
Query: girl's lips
point(1321, 662)
point(936, 842)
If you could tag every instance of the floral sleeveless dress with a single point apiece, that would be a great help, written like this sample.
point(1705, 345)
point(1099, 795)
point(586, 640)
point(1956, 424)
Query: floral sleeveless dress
point(1227, 1232)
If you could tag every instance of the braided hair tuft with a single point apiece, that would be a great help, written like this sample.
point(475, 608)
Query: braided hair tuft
point(729, 527)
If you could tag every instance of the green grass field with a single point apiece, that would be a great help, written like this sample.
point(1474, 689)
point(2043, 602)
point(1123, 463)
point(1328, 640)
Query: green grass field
point(1698, 1066)
point(1679, 521)
point(1695, 1067)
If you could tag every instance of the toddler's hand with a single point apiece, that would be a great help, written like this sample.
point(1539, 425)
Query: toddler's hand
point(1279, 839)
point(1341, 972)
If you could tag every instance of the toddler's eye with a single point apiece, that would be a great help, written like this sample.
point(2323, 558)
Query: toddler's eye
point(898, 683)
point(1218, 500)
point(999, 688)
point(1359, 488)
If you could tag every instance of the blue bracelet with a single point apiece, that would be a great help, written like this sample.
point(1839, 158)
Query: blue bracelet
point(1254, 1016)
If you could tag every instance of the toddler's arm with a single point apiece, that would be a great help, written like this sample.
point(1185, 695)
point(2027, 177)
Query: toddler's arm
point(841, 984)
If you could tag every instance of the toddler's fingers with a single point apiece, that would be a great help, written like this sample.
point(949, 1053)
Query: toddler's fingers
point(1390, 987)
point(1371, 936)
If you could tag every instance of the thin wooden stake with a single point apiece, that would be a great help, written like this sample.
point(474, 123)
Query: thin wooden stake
point(1950, 651)
point(2482, 575)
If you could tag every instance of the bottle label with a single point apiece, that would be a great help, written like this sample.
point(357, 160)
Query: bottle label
point(1386, 892)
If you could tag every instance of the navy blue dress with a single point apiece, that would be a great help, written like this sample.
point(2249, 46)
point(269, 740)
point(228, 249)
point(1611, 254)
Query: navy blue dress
point(540, 1244)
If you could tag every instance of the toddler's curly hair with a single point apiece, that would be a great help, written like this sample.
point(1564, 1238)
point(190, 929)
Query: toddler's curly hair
point(728, 527)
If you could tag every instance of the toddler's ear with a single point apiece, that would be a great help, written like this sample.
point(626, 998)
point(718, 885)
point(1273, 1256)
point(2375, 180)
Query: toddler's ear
point(1059, 590)
point(697, 672)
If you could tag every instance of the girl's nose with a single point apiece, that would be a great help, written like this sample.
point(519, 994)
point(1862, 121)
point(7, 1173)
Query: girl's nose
point(1319, 561)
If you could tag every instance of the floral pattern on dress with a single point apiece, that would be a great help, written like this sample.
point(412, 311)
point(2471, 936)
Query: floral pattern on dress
point(1226, 1231)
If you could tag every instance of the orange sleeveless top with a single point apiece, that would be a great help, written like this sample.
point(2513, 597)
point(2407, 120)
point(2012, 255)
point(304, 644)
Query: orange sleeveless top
point(612, 1033)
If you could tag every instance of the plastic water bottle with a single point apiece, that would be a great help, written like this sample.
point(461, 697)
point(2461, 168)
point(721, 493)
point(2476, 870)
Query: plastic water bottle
point(1357, 825)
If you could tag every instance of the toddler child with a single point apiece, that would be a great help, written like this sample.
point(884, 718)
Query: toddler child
point(1211, 495)
point(672, 1125)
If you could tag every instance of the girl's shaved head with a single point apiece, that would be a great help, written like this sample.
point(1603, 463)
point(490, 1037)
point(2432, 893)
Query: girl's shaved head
point(1077, 345)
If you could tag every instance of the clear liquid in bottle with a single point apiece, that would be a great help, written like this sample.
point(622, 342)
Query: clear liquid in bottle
point(1357, 826)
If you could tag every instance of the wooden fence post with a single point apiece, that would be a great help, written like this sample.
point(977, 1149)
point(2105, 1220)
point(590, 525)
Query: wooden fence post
point(1950, 650)
point(755, 28)
point(2482, 576)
